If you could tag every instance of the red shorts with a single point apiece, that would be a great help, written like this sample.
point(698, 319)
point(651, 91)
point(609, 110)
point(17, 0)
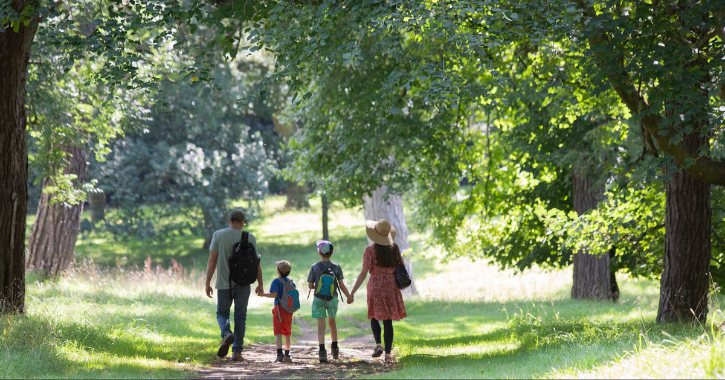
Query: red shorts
point(285, 326)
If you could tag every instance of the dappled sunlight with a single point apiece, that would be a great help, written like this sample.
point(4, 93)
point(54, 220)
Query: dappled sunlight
point(700, 358)
point(277, 222)
point(93, 363)
point(470, 319)
point(486, 282)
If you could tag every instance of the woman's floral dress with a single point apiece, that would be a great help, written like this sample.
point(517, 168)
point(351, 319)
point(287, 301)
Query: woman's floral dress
point(384, 298)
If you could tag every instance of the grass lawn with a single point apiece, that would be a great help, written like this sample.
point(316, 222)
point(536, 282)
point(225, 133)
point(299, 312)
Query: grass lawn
point(109, 318)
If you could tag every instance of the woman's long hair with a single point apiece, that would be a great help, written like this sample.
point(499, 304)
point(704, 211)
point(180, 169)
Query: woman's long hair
point(387, 256)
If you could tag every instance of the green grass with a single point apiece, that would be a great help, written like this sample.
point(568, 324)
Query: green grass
point(108, 318)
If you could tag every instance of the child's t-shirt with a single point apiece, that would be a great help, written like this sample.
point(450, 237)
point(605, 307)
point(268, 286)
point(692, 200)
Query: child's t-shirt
point(317, 269)
point(277, 287)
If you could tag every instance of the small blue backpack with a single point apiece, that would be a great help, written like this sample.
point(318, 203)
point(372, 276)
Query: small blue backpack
point(289, 300)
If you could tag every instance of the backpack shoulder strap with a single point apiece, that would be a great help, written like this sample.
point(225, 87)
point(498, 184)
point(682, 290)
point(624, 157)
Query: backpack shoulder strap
point(284, 283)
point(245, 238)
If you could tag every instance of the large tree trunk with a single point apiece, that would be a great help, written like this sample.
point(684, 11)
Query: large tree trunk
point(14, 55)
point(325, 209)
point(688, 221)
point(592, 274)
point(55, 232)
point(376, 208)
point(296, 196)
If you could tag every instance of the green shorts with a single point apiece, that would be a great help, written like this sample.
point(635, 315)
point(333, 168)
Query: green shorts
point(323, 309)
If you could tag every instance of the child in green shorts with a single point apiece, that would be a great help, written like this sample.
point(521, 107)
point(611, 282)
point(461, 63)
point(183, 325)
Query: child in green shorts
point(326, 278)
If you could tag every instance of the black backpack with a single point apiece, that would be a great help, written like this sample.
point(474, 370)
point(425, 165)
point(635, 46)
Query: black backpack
point(243, 262)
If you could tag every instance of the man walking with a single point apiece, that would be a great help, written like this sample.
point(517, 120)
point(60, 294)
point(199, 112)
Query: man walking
point(219, 252)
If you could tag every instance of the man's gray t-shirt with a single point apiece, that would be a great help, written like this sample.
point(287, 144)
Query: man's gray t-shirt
point(222, 243)
point(317, 269)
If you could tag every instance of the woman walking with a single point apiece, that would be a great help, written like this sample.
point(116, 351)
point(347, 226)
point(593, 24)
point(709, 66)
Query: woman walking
point(385, 302)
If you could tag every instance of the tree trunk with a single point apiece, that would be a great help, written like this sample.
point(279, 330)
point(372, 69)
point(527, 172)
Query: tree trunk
point(14, 55)
point(325, 209)
point(613, 277)
point(208, 230)
point(97, 205)
point(296, 196)
point(376, 208)
point(592, 274)
point(688, 221)
point(55, 232)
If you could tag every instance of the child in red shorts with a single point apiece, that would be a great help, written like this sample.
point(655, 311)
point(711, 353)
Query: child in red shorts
point(282, 320)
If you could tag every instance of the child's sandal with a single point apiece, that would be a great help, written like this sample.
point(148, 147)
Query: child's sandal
point(389, 359)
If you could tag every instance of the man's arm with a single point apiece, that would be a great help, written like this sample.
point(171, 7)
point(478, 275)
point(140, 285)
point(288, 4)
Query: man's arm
point(260, 281)
point(311, 285)
point(210, 269)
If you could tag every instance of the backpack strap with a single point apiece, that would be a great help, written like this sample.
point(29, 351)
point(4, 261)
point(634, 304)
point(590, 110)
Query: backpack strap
point(245, 239)
point(283, 284)
point(337, 282)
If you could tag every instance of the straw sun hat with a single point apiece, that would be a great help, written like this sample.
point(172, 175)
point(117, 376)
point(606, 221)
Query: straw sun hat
point(380, 232)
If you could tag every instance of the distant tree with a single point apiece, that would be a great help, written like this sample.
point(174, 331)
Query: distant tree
point(69, 117)
point(194, 156)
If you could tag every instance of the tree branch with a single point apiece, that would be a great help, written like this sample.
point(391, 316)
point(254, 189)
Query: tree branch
point(703, 168)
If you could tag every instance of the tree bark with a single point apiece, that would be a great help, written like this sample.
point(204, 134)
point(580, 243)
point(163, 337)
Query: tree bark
point(375, 208)
point(97, 205)
point(55, 232)
point(688, 221)
point(592, 274)
point(325, 209)
point(14, 55)
point(296, 196)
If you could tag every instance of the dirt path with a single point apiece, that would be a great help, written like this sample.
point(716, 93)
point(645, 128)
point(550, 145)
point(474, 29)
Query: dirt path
point(354, 360)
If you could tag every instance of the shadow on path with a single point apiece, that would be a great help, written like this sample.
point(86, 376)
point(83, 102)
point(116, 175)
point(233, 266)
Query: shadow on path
point(355, 360)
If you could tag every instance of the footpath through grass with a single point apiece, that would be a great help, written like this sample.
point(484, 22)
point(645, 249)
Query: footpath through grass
point(112, 318)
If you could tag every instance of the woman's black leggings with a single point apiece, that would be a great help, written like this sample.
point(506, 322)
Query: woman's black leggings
point(388, 324)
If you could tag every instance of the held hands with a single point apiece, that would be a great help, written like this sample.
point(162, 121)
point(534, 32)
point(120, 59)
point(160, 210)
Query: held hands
point(350, 299)
point(259, 290)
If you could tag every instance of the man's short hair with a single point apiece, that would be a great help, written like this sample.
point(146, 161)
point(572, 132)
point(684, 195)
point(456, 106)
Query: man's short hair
point(237, 215)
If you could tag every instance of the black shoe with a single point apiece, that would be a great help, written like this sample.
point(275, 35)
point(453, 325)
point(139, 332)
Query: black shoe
point(335, 353)
point(323, 356)
point(280, 358)
point(226, 342)
point(378, 351)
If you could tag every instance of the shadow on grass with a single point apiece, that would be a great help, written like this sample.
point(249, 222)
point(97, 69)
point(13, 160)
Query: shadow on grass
point(436, 342)
point(37, 346)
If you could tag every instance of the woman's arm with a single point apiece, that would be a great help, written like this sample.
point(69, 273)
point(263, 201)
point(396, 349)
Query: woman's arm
point(360, 279)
